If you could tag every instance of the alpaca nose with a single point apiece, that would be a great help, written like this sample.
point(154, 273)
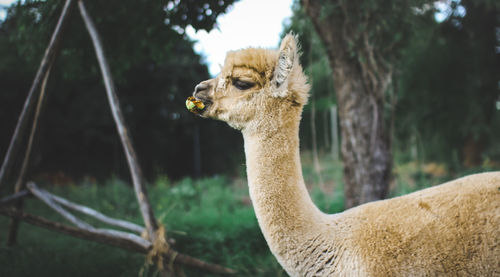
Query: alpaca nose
point(200, 87)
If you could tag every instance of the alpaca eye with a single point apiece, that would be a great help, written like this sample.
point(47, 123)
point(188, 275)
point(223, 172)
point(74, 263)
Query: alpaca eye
point(242, 85)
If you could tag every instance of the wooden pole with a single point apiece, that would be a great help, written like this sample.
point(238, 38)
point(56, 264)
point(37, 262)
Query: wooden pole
point(45, 197)
point(95, 214)
point(87, 234)
point(20, 183)
point(50, 53)
point(9, 200)
point(335, 133)
point(326, 137)
point(137, 177)
point(68, 216)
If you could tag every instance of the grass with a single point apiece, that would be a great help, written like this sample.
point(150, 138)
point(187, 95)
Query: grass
point(211, 219)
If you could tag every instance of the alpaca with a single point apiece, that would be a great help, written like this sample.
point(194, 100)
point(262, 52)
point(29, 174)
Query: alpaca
point(448, 230)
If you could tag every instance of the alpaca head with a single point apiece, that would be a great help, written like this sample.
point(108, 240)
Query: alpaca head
point(256, 87)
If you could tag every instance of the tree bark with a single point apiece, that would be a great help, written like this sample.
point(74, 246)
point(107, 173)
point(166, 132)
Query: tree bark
point(360, 85)
point(365, 144)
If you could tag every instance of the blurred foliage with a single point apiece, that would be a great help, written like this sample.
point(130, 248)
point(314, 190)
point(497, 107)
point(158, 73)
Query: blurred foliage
point(154, 68)
point(199, 14)
point(449, 86)
point(369, 25)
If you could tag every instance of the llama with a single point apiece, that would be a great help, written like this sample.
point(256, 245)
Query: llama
point(448, 230)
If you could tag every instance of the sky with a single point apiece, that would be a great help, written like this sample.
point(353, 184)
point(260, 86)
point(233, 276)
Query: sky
point(256, 23)
point(4, 3)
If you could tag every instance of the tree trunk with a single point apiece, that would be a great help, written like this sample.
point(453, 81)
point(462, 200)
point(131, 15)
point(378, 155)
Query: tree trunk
point(365, 143)
point(471, 151)
point(360, 79)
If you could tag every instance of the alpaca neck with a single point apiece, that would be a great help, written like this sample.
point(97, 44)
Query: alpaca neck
point(284, 209)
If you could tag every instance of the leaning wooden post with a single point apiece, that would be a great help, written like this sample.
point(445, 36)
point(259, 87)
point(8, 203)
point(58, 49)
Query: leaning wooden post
point(48, 57)
point(21, 179)
point(137, 178)
point(335, 133)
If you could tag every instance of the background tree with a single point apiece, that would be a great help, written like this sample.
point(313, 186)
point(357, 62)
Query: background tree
point(362, 39)
point(446, 78)
point(154, 68)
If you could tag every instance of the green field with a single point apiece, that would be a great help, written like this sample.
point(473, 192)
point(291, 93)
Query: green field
point(210, 218)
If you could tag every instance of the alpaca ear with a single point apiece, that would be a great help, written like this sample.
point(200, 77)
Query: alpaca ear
point(287, 59)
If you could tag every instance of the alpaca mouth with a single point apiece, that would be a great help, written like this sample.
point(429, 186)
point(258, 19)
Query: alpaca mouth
point(207, 102)
point(197, 105)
